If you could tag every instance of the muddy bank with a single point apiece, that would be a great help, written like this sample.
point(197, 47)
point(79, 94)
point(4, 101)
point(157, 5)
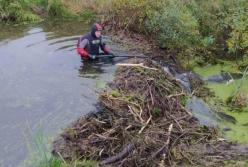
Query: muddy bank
point(134, 41)
point(144, 123)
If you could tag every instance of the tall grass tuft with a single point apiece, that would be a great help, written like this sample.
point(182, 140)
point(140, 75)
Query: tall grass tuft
point(40, 154)
point(57, 9)
point(17, 11)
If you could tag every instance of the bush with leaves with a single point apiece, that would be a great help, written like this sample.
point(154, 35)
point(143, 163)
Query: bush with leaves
point(175, 26)
point(191, 28)
point(12, 10)
point(236, 22)
point(22, 10)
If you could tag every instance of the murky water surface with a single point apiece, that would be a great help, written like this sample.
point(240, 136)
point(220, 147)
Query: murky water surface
point(44, 86)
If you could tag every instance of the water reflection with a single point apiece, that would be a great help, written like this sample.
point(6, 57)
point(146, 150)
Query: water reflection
point(90, 70)
point(12, 32)
point(39, 84)
point(43, 83)
point(93, 68)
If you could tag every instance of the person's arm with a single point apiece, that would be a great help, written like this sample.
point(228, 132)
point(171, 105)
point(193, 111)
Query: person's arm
point(104, 48)
point(81, 48)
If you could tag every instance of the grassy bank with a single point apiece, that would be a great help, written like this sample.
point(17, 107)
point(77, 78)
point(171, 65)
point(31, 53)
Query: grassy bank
point(28, 11)
point(192, 28)
point(39, 154)
point(204, 29)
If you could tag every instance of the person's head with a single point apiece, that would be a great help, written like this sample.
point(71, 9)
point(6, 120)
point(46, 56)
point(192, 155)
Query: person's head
point(96, 30)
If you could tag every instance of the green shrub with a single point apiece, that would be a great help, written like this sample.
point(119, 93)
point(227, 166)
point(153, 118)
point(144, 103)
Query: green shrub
point(131, 15)
point(57, 9)
point(12, 10)
point(191, 28)
point(236, 21)
point(175, 26)
point(21, 10)
point(87, 15)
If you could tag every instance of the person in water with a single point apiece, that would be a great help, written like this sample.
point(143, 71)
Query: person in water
point(89, 45)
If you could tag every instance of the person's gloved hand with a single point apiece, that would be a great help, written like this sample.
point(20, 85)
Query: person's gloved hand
point(92, 56)
point(112, 55)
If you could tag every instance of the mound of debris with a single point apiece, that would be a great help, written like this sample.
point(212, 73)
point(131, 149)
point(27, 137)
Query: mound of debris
point(144, 123)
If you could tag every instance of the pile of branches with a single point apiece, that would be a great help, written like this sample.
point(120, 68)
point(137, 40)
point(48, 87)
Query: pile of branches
point(143, 123)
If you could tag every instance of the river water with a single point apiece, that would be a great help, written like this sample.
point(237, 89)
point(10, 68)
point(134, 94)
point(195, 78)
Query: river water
point(44, 86)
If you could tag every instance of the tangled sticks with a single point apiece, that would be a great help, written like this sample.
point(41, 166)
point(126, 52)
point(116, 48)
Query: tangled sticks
point(144, 124)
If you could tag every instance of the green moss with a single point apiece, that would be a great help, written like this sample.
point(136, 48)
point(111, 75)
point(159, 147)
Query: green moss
point(157, 111)
point(209, 69)
point(115, 93)
point(223, 92)
point(100, 84)
point(238, 131)
point(184, 100)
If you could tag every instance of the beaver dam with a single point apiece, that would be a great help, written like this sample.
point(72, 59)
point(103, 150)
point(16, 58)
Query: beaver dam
point(144, 123)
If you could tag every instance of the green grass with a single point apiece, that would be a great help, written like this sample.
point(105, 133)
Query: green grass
point(238, 131)
point(57, 9)
point(21, 11)
point(17, 11)
point(40, 155)
point(87, 15)
point(236, 164)
point(209, 69)
point(224, 90)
